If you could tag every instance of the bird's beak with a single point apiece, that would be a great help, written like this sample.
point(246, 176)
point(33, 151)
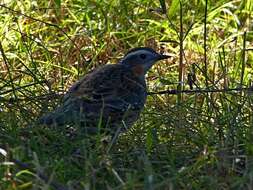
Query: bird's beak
point(160, 57)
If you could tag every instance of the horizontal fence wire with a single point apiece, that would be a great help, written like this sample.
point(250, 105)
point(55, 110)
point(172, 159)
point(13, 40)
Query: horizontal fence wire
point(201, 91)
point(57, 95)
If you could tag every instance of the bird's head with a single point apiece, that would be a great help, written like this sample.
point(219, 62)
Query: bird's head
point(141, 59)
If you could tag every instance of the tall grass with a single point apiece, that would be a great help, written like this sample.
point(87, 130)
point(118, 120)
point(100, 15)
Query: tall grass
point(190, 141)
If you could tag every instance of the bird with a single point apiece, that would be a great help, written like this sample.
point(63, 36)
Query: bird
point(109, 98)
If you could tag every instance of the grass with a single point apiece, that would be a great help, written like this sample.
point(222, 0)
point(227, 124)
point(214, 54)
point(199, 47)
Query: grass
point(189, 141)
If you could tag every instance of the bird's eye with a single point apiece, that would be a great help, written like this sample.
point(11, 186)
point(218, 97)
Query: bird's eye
point(143, 56)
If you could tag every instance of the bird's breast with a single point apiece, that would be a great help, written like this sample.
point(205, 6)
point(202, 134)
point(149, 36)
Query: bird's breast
point(138, 70)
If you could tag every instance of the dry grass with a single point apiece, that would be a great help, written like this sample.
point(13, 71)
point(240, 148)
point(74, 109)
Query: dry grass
point(191, 141)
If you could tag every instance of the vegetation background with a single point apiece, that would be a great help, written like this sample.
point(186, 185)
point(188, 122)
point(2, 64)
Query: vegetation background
point(202, 139)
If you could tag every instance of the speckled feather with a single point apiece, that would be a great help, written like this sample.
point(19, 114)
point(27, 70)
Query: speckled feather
point(111, 91)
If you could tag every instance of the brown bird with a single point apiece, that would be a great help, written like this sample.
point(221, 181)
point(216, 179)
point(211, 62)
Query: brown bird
point(109, 98)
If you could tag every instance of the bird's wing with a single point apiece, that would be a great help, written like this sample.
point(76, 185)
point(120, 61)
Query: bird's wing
point(113, 90)
point(110, 87)
point(89, 92)
point(106, 85)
